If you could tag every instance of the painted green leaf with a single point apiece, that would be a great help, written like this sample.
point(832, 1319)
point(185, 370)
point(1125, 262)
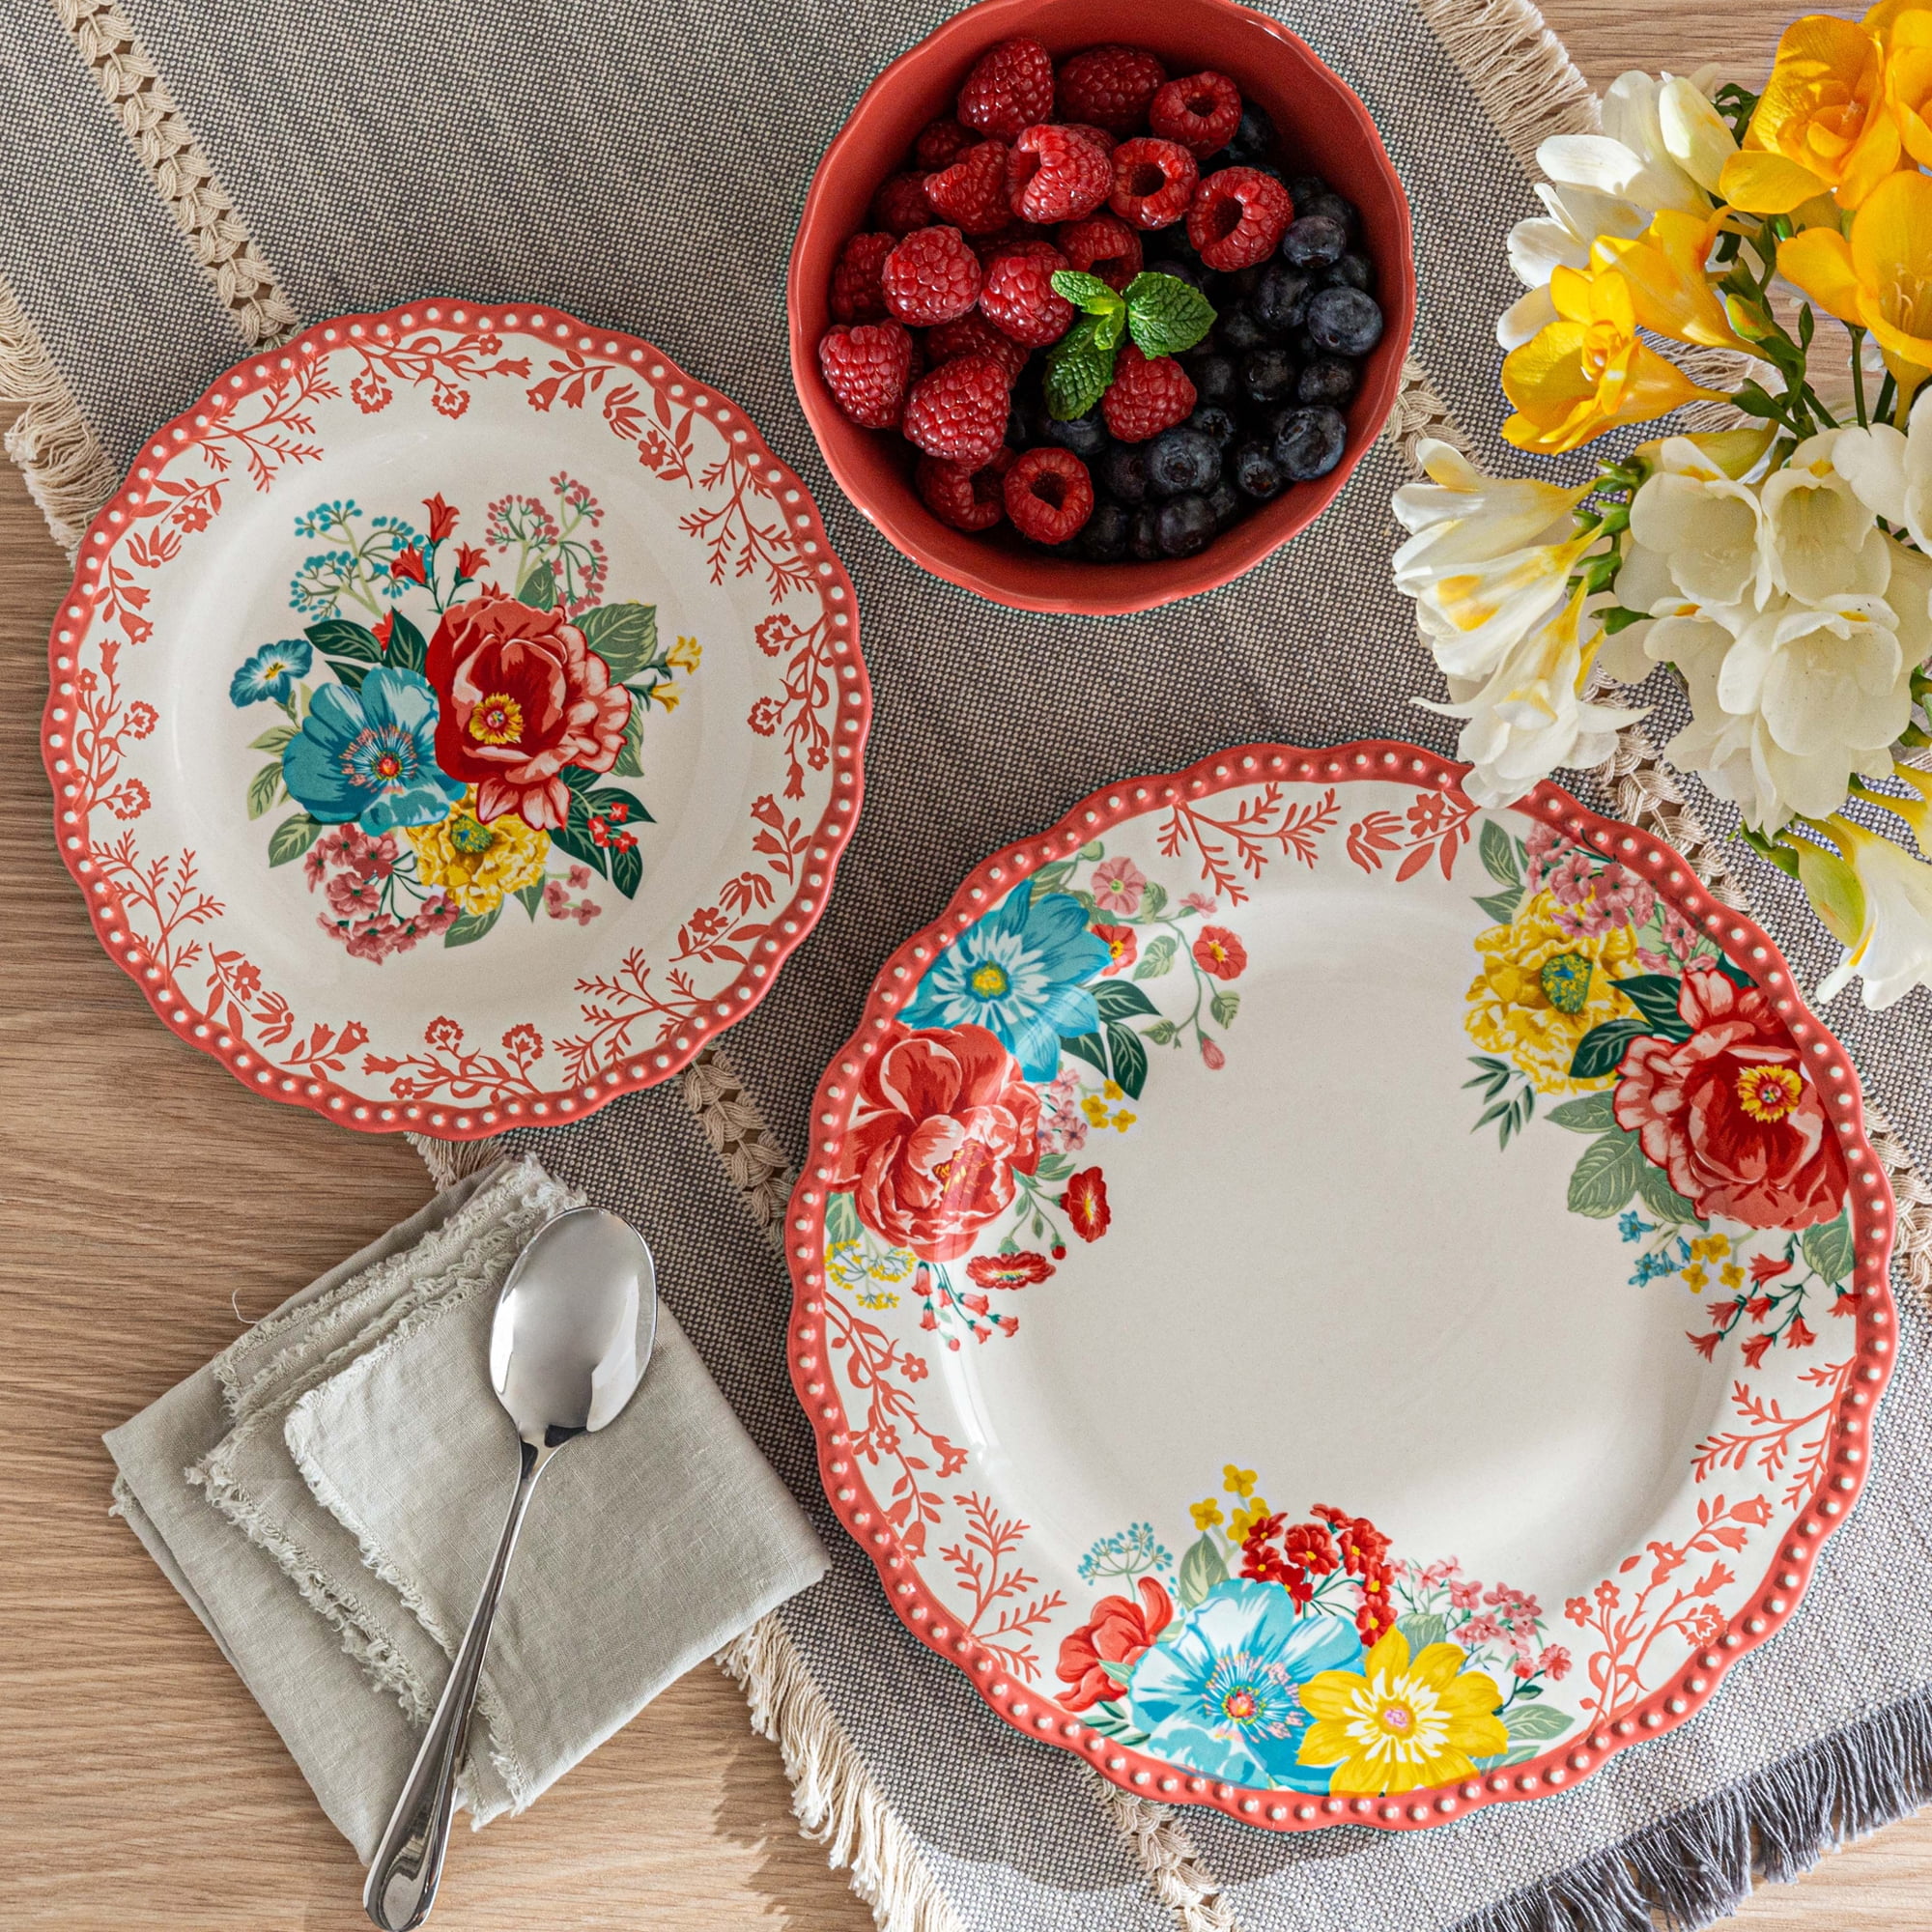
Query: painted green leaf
point(625, 636)
point(538, 589)
point(471, 927)
point(292, 838)
point(265, 789)
point(1224, 1006)
point(339, 637)
point(1092, 850)
point(1601, 1049)
point(1112, 1719)
point(1122, 1000)
point(1516, 1754)
point(1422, 1629)
point(1827, 1247)
point(841, 1221)
point(351, 670)
point(531, 898)
point(1655, 1191)
point(1735, 973)
point(1053, 1167)
point(1120, 1671)
point(630, 762)
point(627, 870)
point(1153, 900)
point(1087, 1046)
point(273, 738)
point(1201, 1568)
point(1050, 878)
point(1501, 906)
point(1501, 853)
point(1592, 1114)
point(1129, 1059)
point(1163, 1032)
point(1536, 1724)
point(1654, 996)
point(409, 650)
point(1607, 1177)
point(1165, 315)
point(1158, 959)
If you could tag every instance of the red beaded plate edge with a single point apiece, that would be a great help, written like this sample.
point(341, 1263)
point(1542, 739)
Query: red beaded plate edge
point(1037, 1716)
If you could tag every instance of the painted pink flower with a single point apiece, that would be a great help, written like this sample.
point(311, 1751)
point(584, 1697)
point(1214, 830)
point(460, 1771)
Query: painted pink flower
point(1210, 1052)
point(1464, 1596)
point(1117, 886)
point(1200, 903)
point(1554, 1663)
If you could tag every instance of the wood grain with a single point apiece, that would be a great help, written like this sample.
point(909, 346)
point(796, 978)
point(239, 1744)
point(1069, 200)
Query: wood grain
point(149, 1207)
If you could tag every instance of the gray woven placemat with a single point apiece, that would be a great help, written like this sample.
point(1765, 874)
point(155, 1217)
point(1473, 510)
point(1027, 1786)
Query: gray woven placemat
point(187, 180)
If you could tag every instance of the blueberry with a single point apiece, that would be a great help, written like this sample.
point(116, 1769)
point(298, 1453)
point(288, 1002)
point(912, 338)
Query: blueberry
point(1213, 420)
point(1181, 461)
point(1304, 189)
point(1225, 501)
point(1190, 272)
point(1242, 281)
point(1085, 435)
point(1313, 241)
point(1142, 535)
point(1331, 205)
point(1213, 375)
point(1104, 539)
point(1257, 473)
point(1281, 297)
point(1221, 158)
point(1123, 473)
point(1344, 321)
point(1254, 140)
point(1351, 272)
point(1184, 525)
point(1328, 379)
point(1241, 328)
point(1308, 443)
point(1267, 375)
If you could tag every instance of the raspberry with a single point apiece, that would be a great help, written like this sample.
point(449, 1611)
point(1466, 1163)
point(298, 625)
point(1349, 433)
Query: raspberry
point(1104, 246)
point(972, 193)
point(1049, 496)
point(1011, 87)
point(867, 369)
point(941, 144)
point(967, 499)
point(1055, 175)
point(959, 410)
point(1201, 112)
point(900, 205)
point(1237, 218)
point(1087, 130)
point(930, 276)
point(856, 294)
point(974, 335)
point(1110, 86)
point(1153, 183)
point(1018, 295)
point(1147, 395)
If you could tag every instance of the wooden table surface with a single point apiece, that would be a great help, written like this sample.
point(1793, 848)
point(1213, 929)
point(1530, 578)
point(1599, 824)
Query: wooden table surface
point(145, 1200)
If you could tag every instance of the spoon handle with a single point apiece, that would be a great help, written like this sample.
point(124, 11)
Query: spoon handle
point(403, 1875)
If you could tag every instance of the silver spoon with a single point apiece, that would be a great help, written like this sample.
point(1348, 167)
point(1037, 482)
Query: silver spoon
point(572, 1336)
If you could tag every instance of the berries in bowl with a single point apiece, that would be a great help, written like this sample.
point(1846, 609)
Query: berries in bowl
point(1086, 326)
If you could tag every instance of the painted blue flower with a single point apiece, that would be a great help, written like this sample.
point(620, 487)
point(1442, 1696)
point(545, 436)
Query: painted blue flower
point(272, 672)
point(1021, 973)
point(370, 755)
point(1633, 1227)
point(1651, 1268)
point(1223, 1696)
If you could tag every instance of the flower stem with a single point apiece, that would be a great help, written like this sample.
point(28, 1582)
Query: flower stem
point(1858, 336)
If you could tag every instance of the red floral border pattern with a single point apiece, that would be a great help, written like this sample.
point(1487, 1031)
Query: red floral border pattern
point(1822, 1453)
point(157, 918)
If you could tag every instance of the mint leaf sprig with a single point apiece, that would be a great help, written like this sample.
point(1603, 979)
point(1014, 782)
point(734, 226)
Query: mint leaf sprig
point(1162, 314)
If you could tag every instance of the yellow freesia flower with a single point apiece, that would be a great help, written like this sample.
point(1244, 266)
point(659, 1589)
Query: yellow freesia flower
point(1402, 1723)
point(1671, 289)
point(477, 865)
point(1587, 371)
point(1881, 278)
point(1821, 124)
point(1541, 989)
point(1908, 82)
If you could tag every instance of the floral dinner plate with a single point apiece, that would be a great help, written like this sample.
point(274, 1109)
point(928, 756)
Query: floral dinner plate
point(1336, 1304)
point(456, 719)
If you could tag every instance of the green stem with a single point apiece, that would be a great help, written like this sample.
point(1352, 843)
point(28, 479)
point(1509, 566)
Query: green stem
point(1858, 336)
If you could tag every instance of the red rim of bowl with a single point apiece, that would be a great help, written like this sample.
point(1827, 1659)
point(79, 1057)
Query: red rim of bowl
point(1068, 586)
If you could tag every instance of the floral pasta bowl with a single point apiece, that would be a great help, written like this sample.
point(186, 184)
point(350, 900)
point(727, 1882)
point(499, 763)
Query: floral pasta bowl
point(1333, 1303)
point(456, 719)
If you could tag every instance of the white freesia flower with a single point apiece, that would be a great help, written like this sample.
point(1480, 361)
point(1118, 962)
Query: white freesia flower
point(1893, 950)
point(1820, 540)
point(1488, 559)
point(1893, 472)
point(1530, 716)
point(1698, 527)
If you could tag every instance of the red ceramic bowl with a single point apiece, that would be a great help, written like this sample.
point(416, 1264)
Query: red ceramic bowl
point(1323, 127)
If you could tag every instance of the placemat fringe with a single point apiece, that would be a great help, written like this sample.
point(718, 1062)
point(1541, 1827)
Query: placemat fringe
point(1519, 70)
point(1174, 1867)
point(67, 472)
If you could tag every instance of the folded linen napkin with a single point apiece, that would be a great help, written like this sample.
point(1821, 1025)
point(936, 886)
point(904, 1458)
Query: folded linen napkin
point(327, 1495)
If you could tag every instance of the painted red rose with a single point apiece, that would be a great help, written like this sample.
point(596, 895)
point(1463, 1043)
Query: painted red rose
point(520, 695)
point(944, 1121)
point(1122, 948)
point(1730, 1114)
point(1117, 1632)
point(1220, 953)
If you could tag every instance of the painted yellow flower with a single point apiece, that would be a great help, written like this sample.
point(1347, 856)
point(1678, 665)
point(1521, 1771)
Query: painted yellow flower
point(684, 655)
point(1881, 277)
point(477, 865)
point(1244, 1520)
point(1695, 1279)
point(1710, 1247)
point(1541, 989)
point(870, 1278)
point(1588, 371)
point(1731, 1275)
point(1095, 1110)
point(1113, 1090)
point(1821, 124)
point(1207, 1513)
point(1402, 1724)
point(1672, 288)
point(1237, 1481)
